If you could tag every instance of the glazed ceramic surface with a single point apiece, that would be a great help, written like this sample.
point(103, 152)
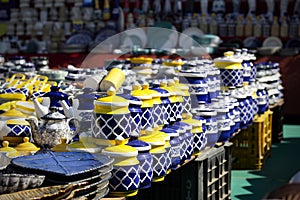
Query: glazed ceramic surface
point(146, 162)
point(54, 127)
point(55, 96)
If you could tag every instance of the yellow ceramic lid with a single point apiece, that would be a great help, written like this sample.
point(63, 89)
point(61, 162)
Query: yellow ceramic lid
point(8, 105)
point(143, 95)
point(229, 61)
point(154, 94)
point(111, 104)
point(25, 105)
point(153, 139)
point(176, 91)
point(11, 151)
point(120, 151)
point(26, 146)
point(156, 133)
point(187, 118)
point(172, 63)
point(62, 147)
point(183, 87)
point(13, 113)
point(18, 122)
point(13, 96)
point(141, 60)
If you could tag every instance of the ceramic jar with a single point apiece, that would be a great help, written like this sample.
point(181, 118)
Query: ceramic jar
point(253, 66)
point(13, 126)
point(262, 100)
point(175, 147)
point(231, 69)
point(165, 103)
point(147, 120)
point(142, 66)
point(111, 119)
point(186, 138)
point(242, 107)
point(135, 113)
point(145, 161)
point(187, 101)
point(27, 148)
point(210, 116)
point(197, 132)
point(197, 84)
point(125, 179)
point(217, 81)
point(223, 121)
point(236, 114)
point(159, 155)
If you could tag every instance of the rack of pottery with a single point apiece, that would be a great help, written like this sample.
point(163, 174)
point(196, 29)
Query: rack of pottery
point(145, 116)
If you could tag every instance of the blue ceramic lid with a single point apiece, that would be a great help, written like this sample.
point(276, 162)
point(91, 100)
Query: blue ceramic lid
point(55, 93)
point(139, 145)
point(179, 129)
point(183, 124)
point(63, 164)
point(171, 132)
point(164, 93)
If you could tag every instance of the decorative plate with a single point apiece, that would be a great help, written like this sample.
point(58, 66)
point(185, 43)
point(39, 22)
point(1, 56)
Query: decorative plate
point(80, 38)
point(272, 42)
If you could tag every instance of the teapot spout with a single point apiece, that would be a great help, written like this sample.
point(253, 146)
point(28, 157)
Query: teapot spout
point(40, 109)
point(68, 110)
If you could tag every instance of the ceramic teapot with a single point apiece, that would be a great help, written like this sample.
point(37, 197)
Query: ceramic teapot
point(53, 128)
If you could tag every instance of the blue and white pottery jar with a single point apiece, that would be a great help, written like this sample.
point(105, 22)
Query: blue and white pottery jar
point(166, 104)
point(212, 132)
point(159, 155)
point(250, 109)
point(236, 112)
point(146, 162)
point(125, 179)
point(253, 66)
point(135, 113)
point(176, 100)
point(247, 68)
point(197, 83)
point(217, 82)
point(262, 100)
point(231, 69)
point(147, 120)
point(175, 146)
point(196, 131)
point(187, 101)
point(211, 85)
point(182, 139)
point(242, 107)
point(111, 118)
point(223, 122)
point(188, 139)
point(203, 137)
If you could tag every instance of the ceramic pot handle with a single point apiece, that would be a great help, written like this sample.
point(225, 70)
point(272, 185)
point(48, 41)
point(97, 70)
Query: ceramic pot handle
point(76, 123)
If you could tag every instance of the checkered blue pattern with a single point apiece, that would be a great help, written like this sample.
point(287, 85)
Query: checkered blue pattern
point(125, 178)
point(159, 164)
point(158, 115)
point(147, 118)
point(146, 170)
point(232, 77)
point(187, 104)
point(19, 130)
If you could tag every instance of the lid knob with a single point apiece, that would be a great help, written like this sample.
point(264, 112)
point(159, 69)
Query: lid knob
point(145, 86)
point(5, 144)
point(228, 53)
point(171, 83)
point(136, 87)
point(111, 91)
point(163, 83)
point(176, 80)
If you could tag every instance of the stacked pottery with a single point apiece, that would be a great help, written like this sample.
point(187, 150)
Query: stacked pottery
point(186, 104)
point(175, 147)
point(252, 59)
point(223, 120)
point(197, 132)
point(159, 155)
point(197, 83)
point(186, 138)
point(111, 119)
point(125, 179)
point(242, 107)
point(212, 132)
point(210, 81)
point(158, 118)
point(145, 161)
point(230, 105)
point(135, 113)
point(147, 120)
point(262, 99)
point(178, 100)
point(165, 103)
point(13, 126)
point(231, 69)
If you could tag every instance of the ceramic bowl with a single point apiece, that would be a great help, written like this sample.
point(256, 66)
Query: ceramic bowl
point(12, 182)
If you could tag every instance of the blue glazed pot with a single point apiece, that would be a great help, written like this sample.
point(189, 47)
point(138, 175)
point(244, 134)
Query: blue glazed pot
point(232, 77)
point(262, 100)
point(175, 147)
point(246, 71)
point(147, 118)
point(146, 162)
point(200, 139)
point(223, 123)
point(165, 106)
point(189, 138)
point(18, 130)
point(111, 127)
point(199, 87)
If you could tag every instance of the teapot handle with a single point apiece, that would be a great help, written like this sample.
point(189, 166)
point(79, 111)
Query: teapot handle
point(77, 123)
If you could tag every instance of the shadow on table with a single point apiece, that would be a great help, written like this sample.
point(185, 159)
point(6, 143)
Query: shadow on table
point(277, 170)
